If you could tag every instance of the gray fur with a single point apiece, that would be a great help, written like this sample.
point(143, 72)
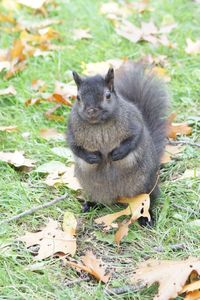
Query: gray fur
point(141, 102)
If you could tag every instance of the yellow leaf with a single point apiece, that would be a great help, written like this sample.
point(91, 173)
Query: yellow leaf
point(69, 223)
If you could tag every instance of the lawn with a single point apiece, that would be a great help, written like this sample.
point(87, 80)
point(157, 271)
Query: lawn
point(22, 190)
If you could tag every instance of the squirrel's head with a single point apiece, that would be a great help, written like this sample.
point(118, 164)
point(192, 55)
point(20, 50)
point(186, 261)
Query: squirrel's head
point(96, 98)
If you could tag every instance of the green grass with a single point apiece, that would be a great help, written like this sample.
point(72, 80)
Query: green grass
point(20, 191)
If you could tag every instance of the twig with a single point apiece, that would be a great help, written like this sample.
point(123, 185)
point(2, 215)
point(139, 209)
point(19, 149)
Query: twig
point(125, 289)
point(187, 209)
point(34, 209)
point(183, 143)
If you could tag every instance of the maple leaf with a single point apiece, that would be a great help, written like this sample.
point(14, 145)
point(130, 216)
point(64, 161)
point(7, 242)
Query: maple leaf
point(173, 129)
point(91, 265)
point(171, 275)
point(51, 240)
point(17, 159)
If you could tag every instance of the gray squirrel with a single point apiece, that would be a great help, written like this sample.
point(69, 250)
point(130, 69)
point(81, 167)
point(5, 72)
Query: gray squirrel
point(117, 132)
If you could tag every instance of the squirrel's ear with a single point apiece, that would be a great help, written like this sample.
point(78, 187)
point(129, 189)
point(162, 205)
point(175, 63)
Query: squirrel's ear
point(109, 79)
point(77, 78)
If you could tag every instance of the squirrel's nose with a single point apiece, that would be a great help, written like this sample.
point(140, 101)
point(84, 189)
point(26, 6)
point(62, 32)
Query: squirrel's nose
point(91, 111)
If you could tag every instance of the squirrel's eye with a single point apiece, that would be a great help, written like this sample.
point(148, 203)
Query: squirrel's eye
point(108, 95)
point(78, 98)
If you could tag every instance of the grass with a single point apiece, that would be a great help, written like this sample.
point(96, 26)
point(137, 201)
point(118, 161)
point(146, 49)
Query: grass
point(20, 191)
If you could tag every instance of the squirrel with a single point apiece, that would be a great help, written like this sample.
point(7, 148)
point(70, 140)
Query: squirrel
point(117, 132)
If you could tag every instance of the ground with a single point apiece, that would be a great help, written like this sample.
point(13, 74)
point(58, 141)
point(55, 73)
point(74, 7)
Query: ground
point(20, 191)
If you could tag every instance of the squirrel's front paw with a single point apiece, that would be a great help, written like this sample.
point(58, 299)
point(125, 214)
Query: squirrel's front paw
point(117, 154)
point(93, 157)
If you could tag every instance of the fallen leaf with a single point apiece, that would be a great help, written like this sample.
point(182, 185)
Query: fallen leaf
point(193, 295)
point(113, 10)
point(170, 152)
point(91, 265)
point(159, 60)
point(67, 178)
point(173, 129)
point(51, 240)
point(4, 65)
point(190, 173)
point(53, 166)
point(171, 275)
point(122, 231)
point(50, 116)
point(138, 206)
point(51, 134)
point(101, 67)
point(16, 159)
point(8, 91)
point(192, 47)
point(141, 6)
point(161, 73)
point(63, 152)
point(36, 4)
point(79, 34)
point(38, 85)
point(8, 128)
point(191, 287)
point(63, 93)
point(147, 32)
point(69, 223)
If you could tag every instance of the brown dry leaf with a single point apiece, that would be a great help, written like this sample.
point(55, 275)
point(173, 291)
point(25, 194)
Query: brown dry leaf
point(14, 68)
point(8, 91)
point(63, 93)
point(51, 134)
point(193, 295)
point(51, 240)
point(191, 287)
point(91, 265)
point(161, 73)
point(159, 60)
point(8, 128)
point(114, 11)
point(138, 206)
point(50, 116)
point(170, 151)
point(33, 101)
point(147, 32)
point(36, 4)
point(79, 34)
point(141, 6)
point(171, 275)
point(16, 159)
point(101, 67)
point(177, 128)
point(67, 178)
point(192, 47)
point(38, 85)
point(122, 231)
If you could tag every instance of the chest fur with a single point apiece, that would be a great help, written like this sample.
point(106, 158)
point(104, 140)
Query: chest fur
point(101, 137)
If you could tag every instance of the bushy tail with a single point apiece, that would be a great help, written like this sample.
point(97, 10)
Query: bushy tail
point(149, 95)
